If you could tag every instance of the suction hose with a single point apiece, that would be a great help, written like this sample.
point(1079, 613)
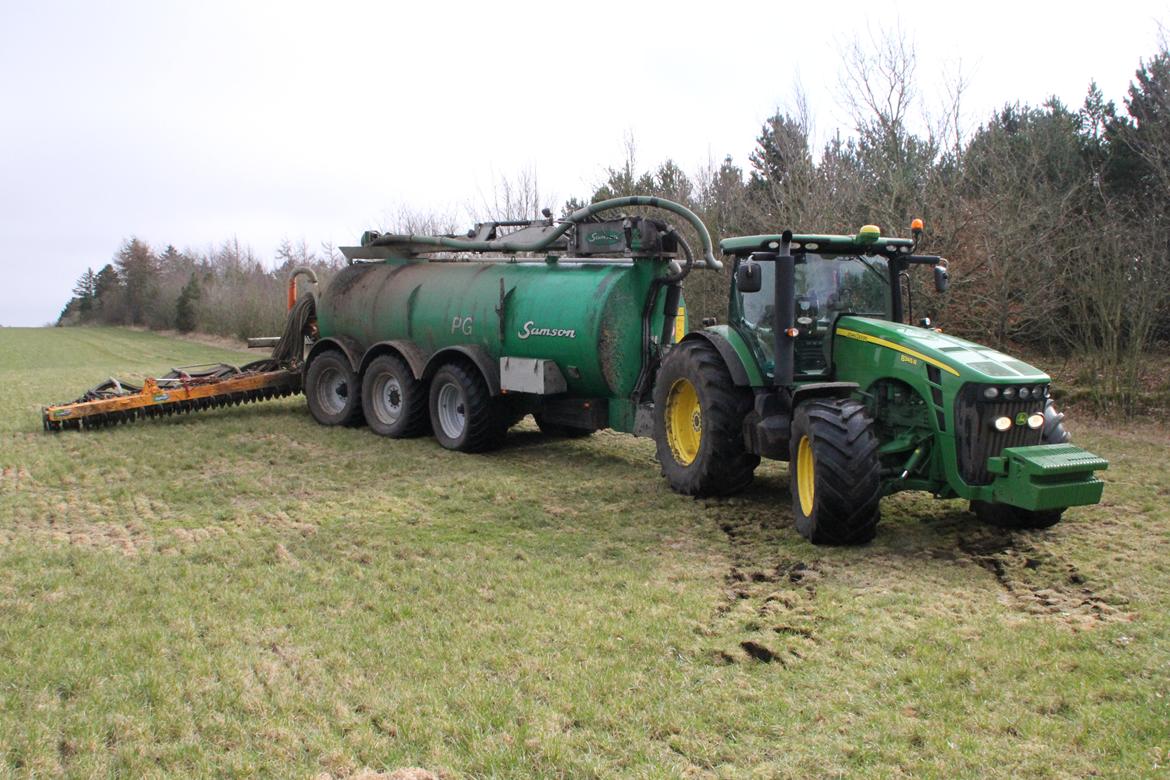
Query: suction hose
point(577, 217)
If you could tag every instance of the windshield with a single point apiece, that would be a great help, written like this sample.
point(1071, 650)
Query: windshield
point(846, 284)
point(825, 288)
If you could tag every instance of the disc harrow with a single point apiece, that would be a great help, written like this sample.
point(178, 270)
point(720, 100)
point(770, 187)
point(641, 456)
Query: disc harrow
point(181, 391)
point(195, 388)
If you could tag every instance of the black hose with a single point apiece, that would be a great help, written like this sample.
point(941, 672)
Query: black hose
point(290, 349)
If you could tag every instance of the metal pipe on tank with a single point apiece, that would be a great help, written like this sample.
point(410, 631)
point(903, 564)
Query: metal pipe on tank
point(578, 216)
point(302, 270)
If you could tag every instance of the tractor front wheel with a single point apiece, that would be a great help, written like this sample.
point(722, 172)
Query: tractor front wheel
point(698, 423)
point(834, 472)
point(1012, 517)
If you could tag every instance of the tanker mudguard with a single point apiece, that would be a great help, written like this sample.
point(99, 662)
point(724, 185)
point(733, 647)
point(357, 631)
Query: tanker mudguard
point(407, 350)
point(477, 354)
point(735, 353)
point(343, 344)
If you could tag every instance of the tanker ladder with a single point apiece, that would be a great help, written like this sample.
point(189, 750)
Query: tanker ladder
point(194, 388)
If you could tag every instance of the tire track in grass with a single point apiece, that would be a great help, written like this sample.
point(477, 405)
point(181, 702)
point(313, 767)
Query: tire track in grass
point(767, 608)
point(1039, 582)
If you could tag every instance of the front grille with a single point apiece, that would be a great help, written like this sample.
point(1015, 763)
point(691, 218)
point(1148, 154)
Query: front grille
point(975, 438)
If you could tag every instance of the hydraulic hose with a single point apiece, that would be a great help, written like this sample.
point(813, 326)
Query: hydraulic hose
point(577, 217)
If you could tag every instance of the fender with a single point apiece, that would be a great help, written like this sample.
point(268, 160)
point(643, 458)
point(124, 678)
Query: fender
point(489, 368)
point(343, 344)
point(407, 350)
point(736, 354)
point(823, 390)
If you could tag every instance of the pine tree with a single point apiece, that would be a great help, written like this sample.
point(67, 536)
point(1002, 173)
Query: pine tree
point(85, 293)
point(138, 268)
point(186, 317)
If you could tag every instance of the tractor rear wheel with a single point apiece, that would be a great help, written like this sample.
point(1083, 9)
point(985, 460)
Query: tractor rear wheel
point(333, 390)
point(698, 423)
point(834, 472)
point(463, 413)
point(1013, 517)
point(393, 401)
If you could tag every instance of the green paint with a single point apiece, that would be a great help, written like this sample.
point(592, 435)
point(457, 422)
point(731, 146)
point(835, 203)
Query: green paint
point(586, 317)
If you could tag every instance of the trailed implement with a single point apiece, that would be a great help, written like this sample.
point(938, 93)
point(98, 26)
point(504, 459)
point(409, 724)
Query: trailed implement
point(194, 388)
point(183, 390)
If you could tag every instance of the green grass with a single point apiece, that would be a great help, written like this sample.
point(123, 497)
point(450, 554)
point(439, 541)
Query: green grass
point(243, 592)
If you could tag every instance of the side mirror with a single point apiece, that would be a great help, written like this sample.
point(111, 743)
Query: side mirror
point(748, 278)
point(942, 278)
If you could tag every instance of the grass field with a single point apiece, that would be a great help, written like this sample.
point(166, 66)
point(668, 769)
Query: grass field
point(242, 592)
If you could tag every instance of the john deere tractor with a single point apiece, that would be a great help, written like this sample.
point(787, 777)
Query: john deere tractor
point(816, 367)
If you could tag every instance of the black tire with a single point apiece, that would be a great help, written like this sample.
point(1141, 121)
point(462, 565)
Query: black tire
point(1054, 430)
point(464, 416)
point(834, 472)
point(698, 423)
point(393, 401)
point(333, 390)
point(559, 431)
point(1013, 517)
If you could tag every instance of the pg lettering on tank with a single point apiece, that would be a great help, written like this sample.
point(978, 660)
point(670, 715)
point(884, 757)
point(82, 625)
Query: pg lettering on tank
point(529, 329)
point(462, 325)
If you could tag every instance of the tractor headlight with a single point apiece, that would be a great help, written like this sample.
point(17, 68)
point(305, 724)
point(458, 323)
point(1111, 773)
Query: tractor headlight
point(1009, 393)
point(1040, 391)
point(991, 393)
point(1025, 393)
point(1002, 424)
point(1035, 420)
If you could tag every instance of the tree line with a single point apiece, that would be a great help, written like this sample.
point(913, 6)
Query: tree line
point(1055, 219)
point(224, 291)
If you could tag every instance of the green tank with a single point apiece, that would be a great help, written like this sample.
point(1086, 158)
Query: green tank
point(587, 317)
point(568, 321)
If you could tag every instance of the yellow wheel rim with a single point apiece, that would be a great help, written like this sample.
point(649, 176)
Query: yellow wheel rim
point(684, 422)
point(805, 475)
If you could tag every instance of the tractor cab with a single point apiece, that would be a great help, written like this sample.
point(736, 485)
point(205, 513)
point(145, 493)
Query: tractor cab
point(830, 276)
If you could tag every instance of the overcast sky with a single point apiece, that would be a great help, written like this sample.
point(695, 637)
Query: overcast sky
point(191, 123)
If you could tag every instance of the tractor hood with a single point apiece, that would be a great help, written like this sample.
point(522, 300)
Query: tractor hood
point(967, 360)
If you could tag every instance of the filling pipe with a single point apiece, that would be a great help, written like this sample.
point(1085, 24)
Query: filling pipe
point(578, 216)
point(292, 283)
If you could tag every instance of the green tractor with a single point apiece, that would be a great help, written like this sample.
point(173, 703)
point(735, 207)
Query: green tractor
point(815, 367)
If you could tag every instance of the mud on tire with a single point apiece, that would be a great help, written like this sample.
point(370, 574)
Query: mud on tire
point(698, 423)
point(834, 472)
point(393, 401)
point(333, 390)
point(464, 415)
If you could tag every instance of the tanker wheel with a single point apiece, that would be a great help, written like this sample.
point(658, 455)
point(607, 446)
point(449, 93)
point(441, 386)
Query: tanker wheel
point(393, 401)
point(333, 390)
point(1008, 516)
point(698, 423)
point(834, 472)
point(463, 414)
